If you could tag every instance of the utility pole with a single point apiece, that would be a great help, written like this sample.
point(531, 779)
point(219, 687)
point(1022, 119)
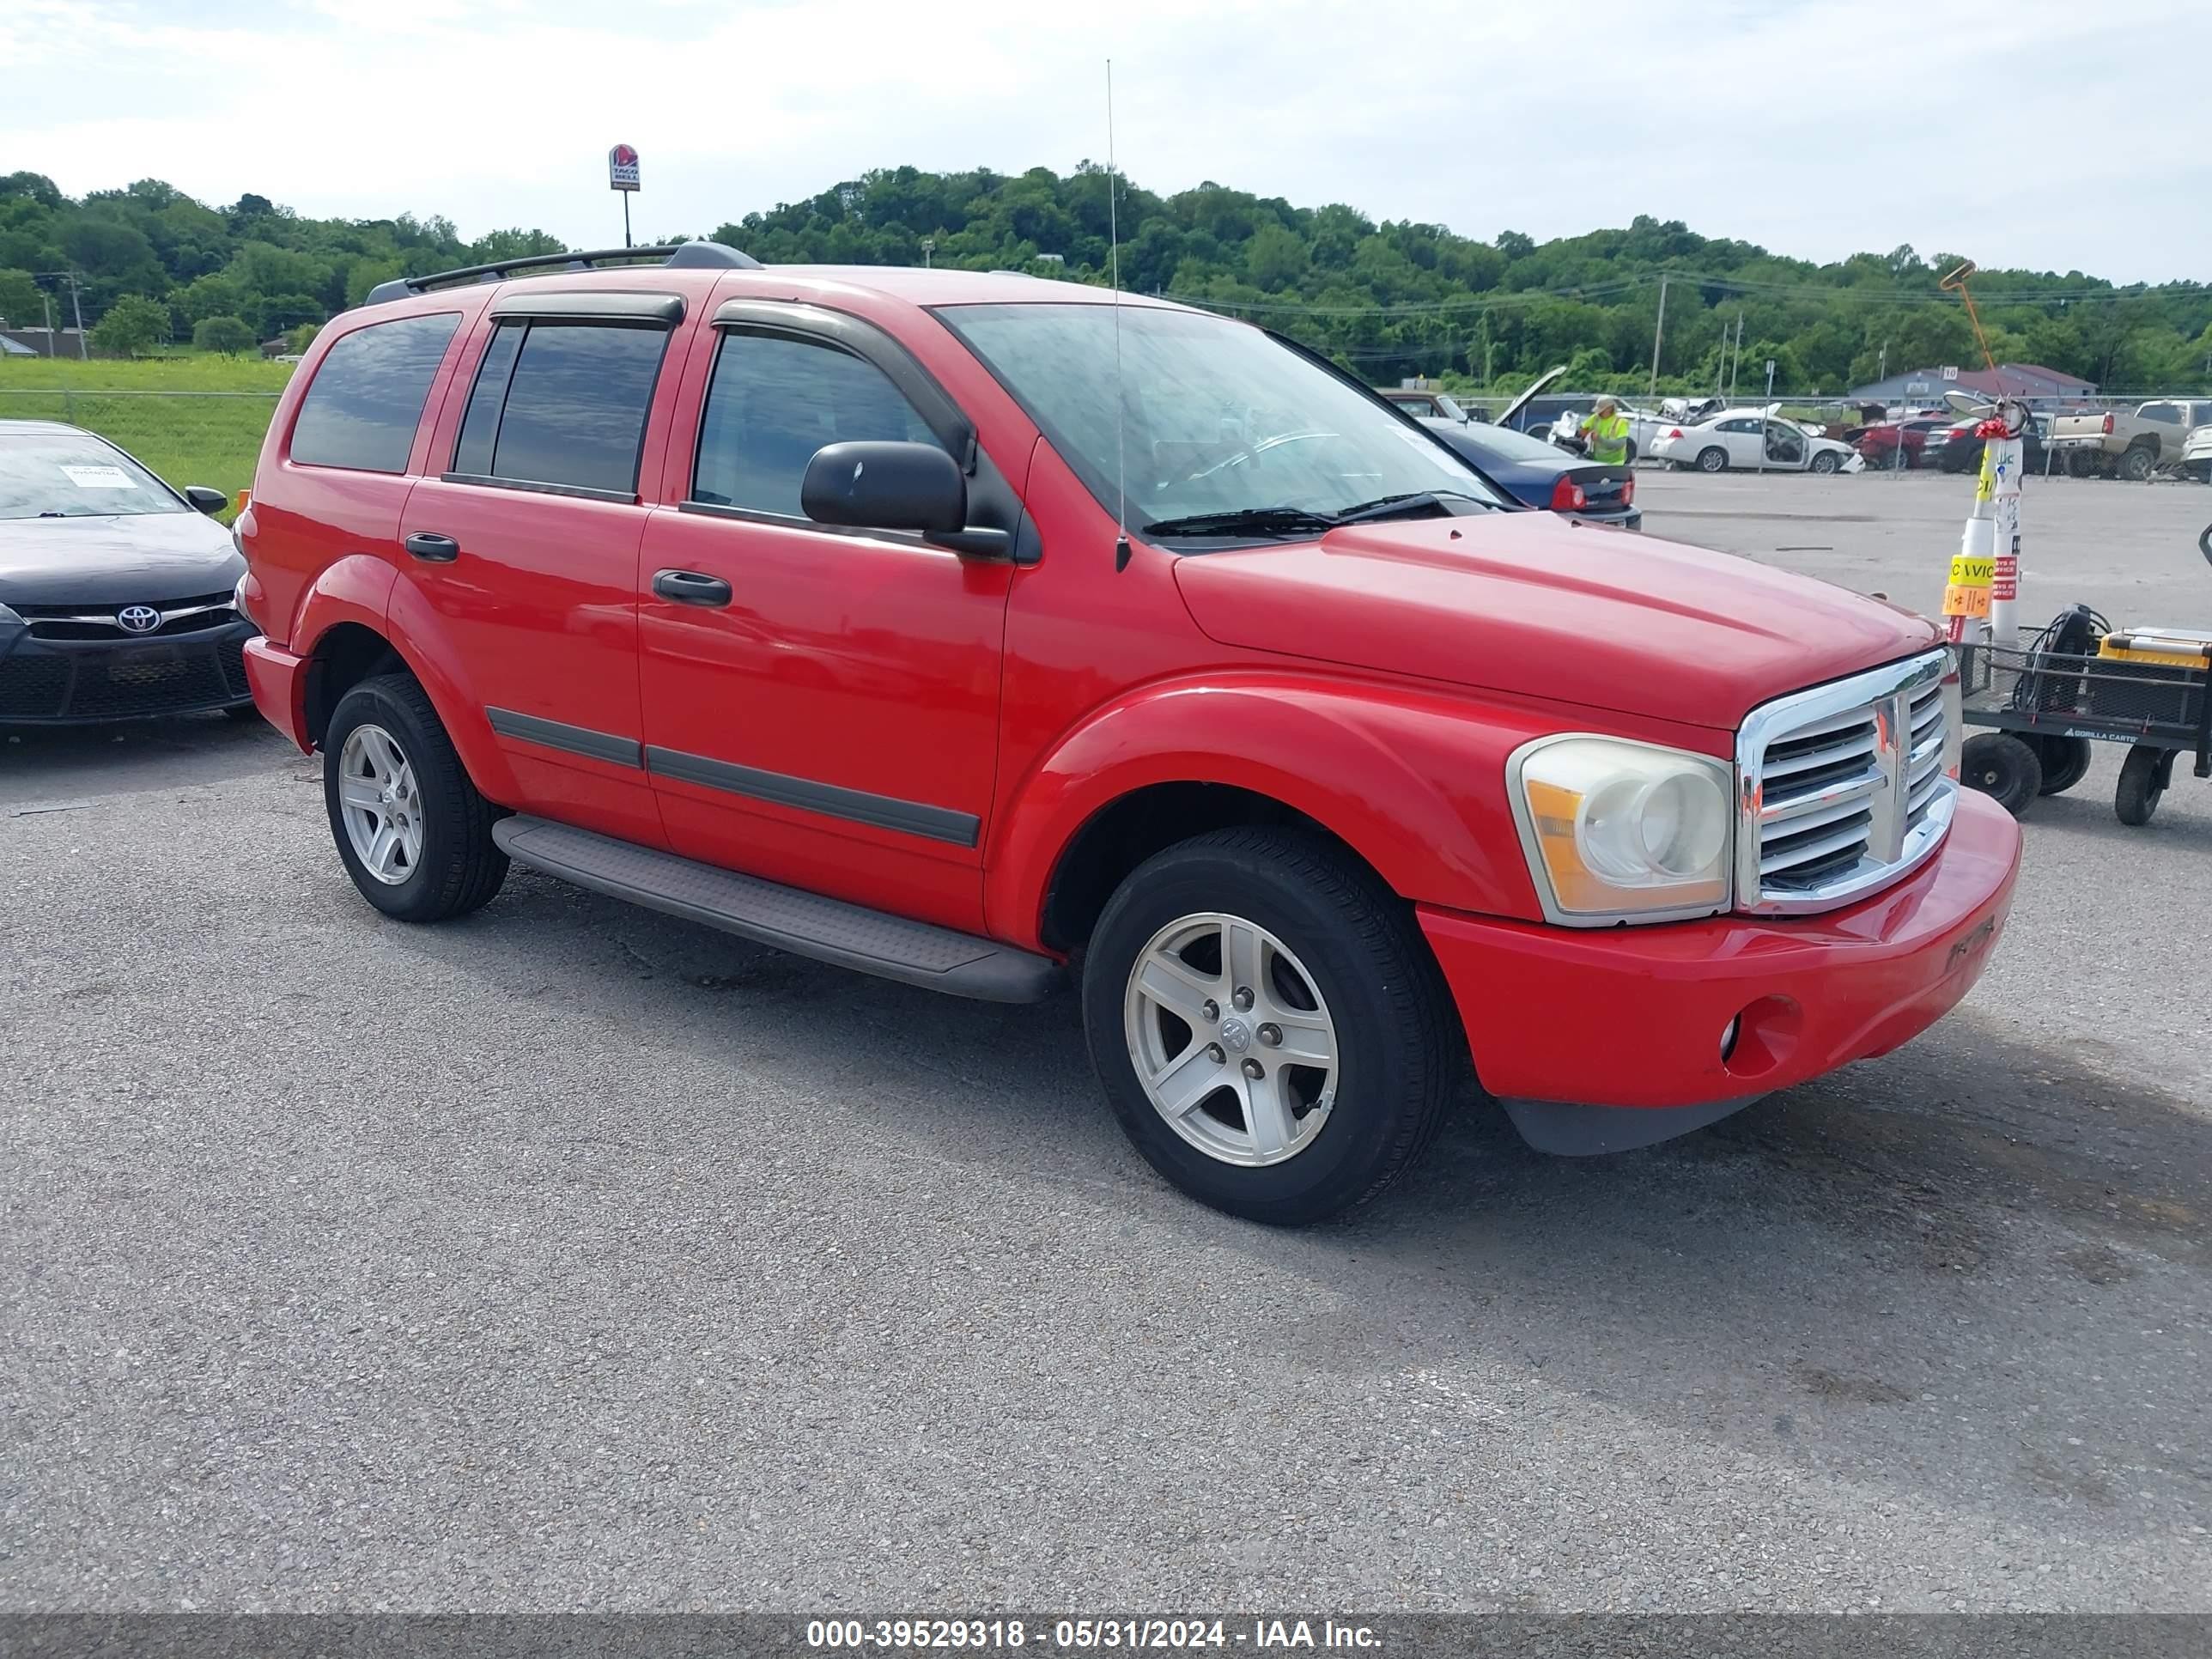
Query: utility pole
point(1881, 371)
point(77, 305)
point(929, 248)
point(1737, 363)
point(1658, 331)
point(47, 300)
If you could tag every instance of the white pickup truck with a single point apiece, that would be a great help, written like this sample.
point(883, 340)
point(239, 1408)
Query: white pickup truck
point(2130, 446)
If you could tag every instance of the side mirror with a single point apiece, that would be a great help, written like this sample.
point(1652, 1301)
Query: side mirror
point(885, 486)
point(896, 486)
point(204, 500)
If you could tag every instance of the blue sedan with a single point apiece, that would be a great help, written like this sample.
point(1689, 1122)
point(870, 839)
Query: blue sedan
point(1541, 475)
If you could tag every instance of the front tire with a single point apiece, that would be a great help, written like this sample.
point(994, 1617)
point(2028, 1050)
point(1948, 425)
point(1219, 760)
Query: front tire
point(411, 827)
point(1826, 461)
point(2002, 767)
point(1268, 1025)
point(1714, 459)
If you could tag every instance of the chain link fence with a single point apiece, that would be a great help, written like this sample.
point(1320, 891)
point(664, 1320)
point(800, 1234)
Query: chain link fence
point(188, 437)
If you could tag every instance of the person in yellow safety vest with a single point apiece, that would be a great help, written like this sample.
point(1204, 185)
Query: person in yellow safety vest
point(1605, 429)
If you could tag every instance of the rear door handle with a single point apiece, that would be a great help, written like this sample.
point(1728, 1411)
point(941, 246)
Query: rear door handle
point(690, 588)
point(432, 548)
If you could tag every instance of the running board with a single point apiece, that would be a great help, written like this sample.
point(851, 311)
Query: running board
point(806, 924)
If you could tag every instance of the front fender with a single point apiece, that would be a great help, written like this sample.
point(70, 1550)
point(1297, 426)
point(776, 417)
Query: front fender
point(1413, 782)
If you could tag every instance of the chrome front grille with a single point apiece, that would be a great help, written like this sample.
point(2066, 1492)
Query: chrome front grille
point(1843, 787)
point(83, 622)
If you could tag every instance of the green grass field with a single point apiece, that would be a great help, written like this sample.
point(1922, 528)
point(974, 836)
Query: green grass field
point(195, 420)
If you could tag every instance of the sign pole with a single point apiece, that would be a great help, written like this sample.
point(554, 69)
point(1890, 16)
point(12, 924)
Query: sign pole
point(626, 241)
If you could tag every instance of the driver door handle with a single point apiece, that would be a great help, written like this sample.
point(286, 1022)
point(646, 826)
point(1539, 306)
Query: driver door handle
point(690, 587)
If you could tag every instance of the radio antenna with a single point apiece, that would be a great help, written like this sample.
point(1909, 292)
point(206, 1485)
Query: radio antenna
point(1120, 403)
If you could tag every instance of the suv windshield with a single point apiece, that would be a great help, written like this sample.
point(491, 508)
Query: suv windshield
point(54, 476)
point(1219, 422)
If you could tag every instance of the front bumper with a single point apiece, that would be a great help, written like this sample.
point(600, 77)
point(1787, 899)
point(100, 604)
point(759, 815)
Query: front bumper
point(1632, 1020)
point(83, 682)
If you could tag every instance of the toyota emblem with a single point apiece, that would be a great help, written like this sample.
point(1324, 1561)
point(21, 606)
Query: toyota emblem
point(139, 619)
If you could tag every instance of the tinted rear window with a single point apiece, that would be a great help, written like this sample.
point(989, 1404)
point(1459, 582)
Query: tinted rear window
point(368, 397)
point(563, 403)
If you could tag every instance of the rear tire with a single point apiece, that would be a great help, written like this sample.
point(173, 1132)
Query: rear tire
point(2138, 464)
point(1714, 459)
point(2143, 781)
point(2082, 463)
point(454, 867)
point(1334, 949)
point(2002, 767)
point(2064, 760)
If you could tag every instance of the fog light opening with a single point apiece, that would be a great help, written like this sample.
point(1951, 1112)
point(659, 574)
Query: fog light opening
point(1761, 1037)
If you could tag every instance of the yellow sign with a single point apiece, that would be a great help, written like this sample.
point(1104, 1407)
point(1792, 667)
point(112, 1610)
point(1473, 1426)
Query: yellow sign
point(1962, 599)
point(1969, 572)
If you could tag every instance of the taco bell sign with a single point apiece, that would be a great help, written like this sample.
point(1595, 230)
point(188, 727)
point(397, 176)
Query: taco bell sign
point(622, 167)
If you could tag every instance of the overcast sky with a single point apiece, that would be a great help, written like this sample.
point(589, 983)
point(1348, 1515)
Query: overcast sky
point(1817, 128)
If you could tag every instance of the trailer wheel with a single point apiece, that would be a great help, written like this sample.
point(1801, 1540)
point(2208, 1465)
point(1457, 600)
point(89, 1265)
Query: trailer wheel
point(2065, 760)
point(2004, 767)
point(2142, 781)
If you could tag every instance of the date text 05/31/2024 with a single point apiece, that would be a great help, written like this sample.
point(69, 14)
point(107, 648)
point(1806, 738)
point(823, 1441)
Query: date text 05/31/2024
point(1086, 1633)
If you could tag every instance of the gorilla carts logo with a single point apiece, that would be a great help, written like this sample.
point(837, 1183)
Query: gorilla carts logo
point(622, 167)
point(137, 619)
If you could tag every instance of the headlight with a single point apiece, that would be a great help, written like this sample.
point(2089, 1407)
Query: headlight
point(1622, 831)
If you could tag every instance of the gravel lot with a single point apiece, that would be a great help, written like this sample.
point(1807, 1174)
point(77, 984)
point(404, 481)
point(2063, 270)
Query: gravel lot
point(569, 1257)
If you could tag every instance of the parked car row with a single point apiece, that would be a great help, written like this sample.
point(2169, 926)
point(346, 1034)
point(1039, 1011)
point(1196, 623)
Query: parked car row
point(2131, 445)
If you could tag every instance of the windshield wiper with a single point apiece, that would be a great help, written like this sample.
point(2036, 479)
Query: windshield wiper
point(1244, 521)
point(1419, 503)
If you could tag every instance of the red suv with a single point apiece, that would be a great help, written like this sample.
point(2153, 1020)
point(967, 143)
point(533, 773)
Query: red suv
point(980, 632)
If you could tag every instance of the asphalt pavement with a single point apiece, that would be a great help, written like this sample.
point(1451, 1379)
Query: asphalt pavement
point(569, 1257)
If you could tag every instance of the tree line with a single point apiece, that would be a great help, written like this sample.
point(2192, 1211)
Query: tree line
point(1387, 298)
point(148, 264)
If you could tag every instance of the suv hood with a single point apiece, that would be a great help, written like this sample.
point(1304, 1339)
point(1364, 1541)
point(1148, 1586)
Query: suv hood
point(1532, 605)
point(121, 559)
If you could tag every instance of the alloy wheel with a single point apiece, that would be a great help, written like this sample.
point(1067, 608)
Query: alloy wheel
point(1231, 1039)
point(380, 805)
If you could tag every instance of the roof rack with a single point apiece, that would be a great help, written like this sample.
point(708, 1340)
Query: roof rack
point(676, 255)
